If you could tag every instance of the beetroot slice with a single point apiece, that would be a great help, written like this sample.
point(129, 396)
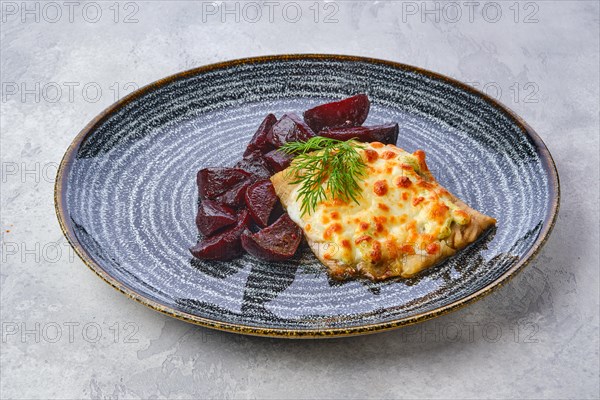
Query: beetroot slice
point(290, 128)
point(225, 245)
point(259, 141)
point(213, 182)
point(278, 160)
point(234, 196)
point(260, 199)
point(255, 164)
point(387, 134)
point(352, 111)
point(213, 216)
point(276, 242)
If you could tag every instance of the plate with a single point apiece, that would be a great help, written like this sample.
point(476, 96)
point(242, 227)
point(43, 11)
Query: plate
point(126, 195)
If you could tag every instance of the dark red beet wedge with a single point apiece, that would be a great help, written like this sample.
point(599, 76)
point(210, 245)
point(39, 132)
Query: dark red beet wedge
point(259, 141)
point(290, 128)
point(260, 199)
point(352, 111)
point(213, 216)
point(278, 160)
point(234, 196)
point(225, 245)
point(256, 164)
point(387, 134)
point(213, 182)
point(276, 242)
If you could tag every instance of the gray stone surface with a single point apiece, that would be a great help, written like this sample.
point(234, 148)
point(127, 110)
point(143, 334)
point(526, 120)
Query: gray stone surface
point(66, 334)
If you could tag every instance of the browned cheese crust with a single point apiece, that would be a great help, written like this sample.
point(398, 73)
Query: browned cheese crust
point(397, 263)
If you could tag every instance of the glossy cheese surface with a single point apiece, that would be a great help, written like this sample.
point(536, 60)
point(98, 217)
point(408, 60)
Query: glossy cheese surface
point(402, 211)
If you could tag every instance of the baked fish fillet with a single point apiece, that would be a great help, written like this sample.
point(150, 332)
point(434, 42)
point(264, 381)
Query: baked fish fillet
point(403, 223)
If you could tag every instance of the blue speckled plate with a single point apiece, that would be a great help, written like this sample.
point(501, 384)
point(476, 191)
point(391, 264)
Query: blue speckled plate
point(126, 193)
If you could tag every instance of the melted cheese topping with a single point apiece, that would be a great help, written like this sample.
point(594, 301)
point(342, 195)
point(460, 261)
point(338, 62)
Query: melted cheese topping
point(402, 210)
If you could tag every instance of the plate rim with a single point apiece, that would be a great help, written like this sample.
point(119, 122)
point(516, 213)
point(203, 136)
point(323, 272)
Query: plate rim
point(67, 228)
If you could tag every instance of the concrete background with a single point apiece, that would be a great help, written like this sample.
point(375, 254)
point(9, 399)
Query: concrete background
point(66, 334)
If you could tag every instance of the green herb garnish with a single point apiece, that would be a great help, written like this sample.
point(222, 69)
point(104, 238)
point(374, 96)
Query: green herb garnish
point(324, 166)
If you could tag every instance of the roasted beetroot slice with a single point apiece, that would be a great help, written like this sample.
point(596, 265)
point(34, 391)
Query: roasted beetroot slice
point(290, 128)
point(225, 245)
point(352, 111)
point(213, 182)
point(255, 164)
point(260, 199)
point(278, 160)
point(234, 196)
point(260, 141)
point(387, 134)
point(276, 242)
point(213, 216)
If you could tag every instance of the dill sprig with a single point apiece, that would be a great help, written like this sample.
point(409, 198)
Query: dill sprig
point(324, 166)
